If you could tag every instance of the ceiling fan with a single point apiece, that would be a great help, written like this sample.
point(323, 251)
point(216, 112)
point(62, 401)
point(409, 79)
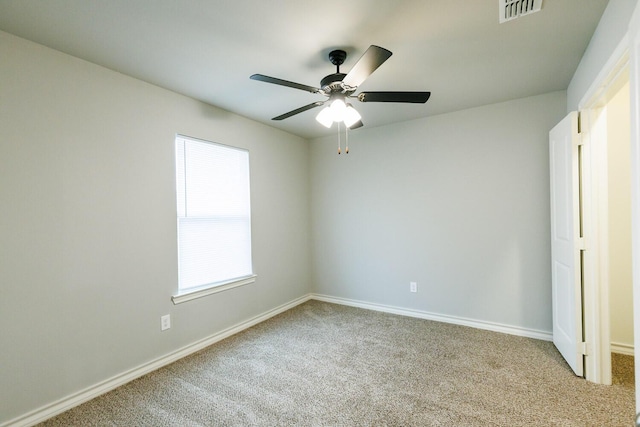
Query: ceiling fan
point(339, 88)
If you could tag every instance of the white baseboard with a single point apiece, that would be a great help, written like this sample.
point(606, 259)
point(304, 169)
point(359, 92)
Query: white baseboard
point(479, 324)
point(626, 349)
point(66, 403)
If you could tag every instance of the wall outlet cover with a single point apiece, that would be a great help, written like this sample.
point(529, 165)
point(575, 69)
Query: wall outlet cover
point(165, 322)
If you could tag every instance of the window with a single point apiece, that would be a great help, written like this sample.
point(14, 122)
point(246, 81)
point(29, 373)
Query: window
point(214, 218)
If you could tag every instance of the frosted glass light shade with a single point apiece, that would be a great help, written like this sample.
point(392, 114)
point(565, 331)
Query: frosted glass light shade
point(325, 117)
point(338, 109)
point(351, 116)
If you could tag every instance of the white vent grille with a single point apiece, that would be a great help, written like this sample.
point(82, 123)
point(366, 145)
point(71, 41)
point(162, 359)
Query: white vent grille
point(512, 9)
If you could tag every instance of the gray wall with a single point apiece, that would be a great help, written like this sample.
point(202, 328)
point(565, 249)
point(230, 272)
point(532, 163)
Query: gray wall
point(88, 223)
point(458, 203)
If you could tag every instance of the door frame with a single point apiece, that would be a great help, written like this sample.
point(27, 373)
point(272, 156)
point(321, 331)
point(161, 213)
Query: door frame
point(634, 82)
point(624, 59)
point(595, 215)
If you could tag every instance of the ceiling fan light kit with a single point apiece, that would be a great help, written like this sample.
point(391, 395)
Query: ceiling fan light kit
point(339, 88)
point(338, 111)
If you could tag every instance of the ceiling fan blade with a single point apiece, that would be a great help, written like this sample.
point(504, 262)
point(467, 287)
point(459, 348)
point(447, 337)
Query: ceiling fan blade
point(356, 125)
point(267, 79)
point(412, 97)
point(298, 110)
point(367, 64)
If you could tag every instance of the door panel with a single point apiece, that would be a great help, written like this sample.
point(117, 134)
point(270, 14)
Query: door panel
point(565, 233)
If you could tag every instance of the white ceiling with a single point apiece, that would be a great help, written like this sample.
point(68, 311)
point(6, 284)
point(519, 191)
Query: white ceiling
point(207, 49)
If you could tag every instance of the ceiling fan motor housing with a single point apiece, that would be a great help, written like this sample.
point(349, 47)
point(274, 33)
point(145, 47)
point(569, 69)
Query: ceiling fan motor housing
point(332, 83)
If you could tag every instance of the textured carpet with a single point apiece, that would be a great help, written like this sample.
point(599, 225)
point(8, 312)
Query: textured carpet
point(322, 364)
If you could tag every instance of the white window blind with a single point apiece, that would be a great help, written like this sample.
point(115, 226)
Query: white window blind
point(214, 214)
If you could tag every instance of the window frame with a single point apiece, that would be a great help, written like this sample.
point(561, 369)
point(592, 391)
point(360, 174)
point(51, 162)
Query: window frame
point(188, 294)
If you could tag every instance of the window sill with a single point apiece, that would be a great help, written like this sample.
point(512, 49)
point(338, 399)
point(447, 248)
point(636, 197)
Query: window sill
point(212, 289)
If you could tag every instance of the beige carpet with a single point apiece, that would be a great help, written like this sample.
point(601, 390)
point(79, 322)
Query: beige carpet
point(322, 364)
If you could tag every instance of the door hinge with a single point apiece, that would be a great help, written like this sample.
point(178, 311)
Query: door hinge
point(585, 348)
point(581, 244)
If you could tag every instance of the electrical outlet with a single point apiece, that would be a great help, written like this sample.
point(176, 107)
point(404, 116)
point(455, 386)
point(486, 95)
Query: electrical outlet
point(165, 322)
point(413, 286)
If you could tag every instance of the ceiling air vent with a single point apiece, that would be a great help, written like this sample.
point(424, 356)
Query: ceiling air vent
point(512, 9)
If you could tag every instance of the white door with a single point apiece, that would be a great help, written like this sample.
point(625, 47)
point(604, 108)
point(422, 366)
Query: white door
point(565, 238)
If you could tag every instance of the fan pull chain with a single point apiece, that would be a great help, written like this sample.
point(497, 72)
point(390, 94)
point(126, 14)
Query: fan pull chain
point(339, 151)
point(346, 137)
